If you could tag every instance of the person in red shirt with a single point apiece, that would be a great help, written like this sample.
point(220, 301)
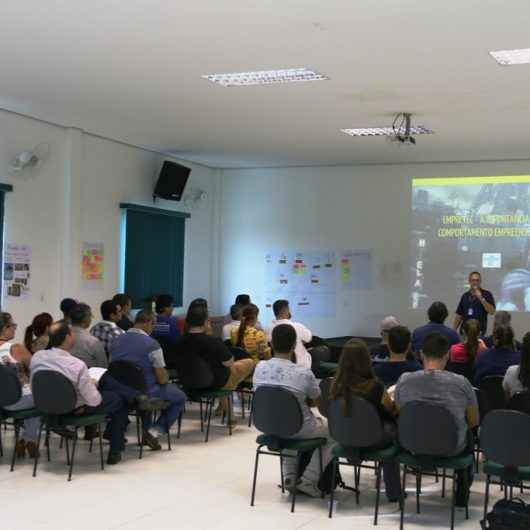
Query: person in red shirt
point(472, 346)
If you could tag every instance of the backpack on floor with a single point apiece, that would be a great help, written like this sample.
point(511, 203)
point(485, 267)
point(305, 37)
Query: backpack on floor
point(508, 515)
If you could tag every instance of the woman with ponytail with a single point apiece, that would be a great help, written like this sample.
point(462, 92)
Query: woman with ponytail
point(498, 359)
point(517, 378)
point(248, 337)
point(36, 335)
point(472, 346)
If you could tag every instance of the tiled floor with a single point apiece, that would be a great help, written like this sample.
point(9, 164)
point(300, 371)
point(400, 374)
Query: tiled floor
point(196, 486)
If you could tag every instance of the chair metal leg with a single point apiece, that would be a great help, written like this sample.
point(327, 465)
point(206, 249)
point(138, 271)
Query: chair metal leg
point(209, 407)
point(453, 501)
point(334, 464)
point(72, 456)
point(281, 472)
point(140, 431)
point(486, 497)
point(402, 507)
point(229, 414)
point(296, 477)
point(36, 461)
point(377, 494)
point(418, 489)
point(47, 443)
point(168, 439)
point(242, 400)
point(357, 474)
point(202, 416)
point(252, 497)
point(100, 446)
point(61, 443)
point(90, 445)
point(443, 483)
point(250, 410)
point(179, 425)
point(17, 435)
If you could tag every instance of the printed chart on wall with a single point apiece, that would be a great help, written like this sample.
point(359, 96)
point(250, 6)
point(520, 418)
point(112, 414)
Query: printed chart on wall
point(310, 279)
point(92, 265)
point(17, 271)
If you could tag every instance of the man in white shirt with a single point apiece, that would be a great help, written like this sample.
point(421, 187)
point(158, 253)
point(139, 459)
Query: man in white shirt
point(282, 372)
point(235, 315)
point(303, 335)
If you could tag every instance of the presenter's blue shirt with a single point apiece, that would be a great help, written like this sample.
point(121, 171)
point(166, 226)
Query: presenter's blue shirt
point(470, 307)
point(419, 334)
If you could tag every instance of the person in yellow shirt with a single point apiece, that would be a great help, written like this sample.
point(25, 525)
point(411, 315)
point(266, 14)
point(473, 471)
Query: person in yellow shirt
point(248, 337)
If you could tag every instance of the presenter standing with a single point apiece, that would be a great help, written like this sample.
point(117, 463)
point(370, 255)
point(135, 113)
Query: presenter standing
point(477, 304)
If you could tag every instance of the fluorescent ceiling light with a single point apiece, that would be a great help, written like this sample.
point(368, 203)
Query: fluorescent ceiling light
point(509, 57)
point(266, 77)
point(386, 131)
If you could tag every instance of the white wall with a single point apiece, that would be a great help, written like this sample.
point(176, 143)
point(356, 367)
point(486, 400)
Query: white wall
point(75, 196)
point(361, 207)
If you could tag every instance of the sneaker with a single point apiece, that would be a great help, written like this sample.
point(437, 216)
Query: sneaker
point(113, 459)
point(289, 484)
point(151, 441)
point(31, 448)
point(309, 488)
point(146, 403)
point(91, 432)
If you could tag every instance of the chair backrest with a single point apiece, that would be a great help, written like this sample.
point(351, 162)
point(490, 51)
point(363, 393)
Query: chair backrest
point(10, 389)
point(360, 427)
point(53, 393)
point(127, 373)
point(504, 437)
point(325, 389)
point(276, 411)
point(482, 403)
point(494, 395)
point(194, 372)
point(427, 429)
point(465, 369)
point(520, 401)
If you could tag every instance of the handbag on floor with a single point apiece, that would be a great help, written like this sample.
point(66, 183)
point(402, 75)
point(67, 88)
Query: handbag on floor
point(508, 515)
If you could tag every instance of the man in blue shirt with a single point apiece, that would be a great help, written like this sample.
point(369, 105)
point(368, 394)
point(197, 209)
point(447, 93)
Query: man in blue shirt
point(477, 303)
point(437, 314)
point(166, 330)
point(398, 364)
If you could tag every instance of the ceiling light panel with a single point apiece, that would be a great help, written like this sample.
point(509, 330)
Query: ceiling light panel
point(266, 77)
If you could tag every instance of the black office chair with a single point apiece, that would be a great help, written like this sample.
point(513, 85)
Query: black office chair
point(428, 433)
point(358, 434)
point(278, 415)
point(504, 439)
point(465, 369)
point(11, 393)
point(325, 389)
point(520, 401)
point(197, 379)
point(55, 396)
point(127, 373)
point(482, 410)
point(494, 395)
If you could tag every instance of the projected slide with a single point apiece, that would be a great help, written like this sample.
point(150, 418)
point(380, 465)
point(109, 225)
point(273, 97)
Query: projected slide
point(471, 223)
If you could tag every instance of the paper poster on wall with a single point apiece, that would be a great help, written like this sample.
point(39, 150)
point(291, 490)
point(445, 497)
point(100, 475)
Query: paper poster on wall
point(356, 270)
point(306, 278)
point(17, 271)
point(92, 265)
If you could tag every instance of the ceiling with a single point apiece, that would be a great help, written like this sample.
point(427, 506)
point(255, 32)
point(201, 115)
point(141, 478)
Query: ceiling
point(131, 70)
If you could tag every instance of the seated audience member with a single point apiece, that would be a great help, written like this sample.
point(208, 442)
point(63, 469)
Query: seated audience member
point(281, 371)
point(252, 340)
point(242, 300)
point(381, 352)
point(125, 303)
point(498, 359)
point(437, 314)
point(227, 373)
point(471, 347)
point(435, 385)
point(36, 335)
point(67, 304)
point(203, 303)
point(399, 346)
point(107, 330)
point(139, 348)
point(86, 347)
point(501, 318)
point(356, 377)
point(166, 328)
point(18, 358)
point(235, 321)
point(282, 314)
point(90, 400)
point(517, 377)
